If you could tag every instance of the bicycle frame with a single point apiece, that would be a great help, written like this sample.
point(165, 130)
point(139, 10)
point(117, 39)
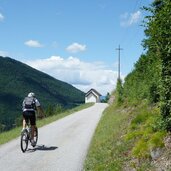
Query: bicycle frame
point(26, 137)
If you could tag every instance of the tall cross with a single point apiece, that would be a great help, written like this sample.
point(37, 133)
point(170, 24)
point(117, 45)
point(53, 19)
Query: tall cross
point(119, 49)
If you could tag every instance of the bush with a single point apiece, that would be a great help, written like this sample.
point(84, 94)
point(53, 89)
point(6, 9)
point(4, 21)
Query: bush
point(145, 132)
point(119, 92)
point(58, 109)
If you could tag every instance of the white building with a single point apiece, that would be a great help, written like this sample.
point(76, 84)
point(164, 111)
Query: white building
point(92, 96)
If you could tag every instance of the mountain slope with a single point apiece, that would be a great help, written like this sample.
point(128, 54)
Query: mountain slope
point(18, 79)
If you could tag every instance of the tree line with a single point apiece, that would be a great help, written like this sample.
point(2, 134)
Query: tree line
point(151, 77)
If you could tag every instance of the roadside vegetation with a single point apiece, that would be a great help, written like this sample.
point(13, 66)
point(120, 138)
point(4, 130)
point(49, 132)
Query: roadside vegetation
point(14, 133)
point(107, 148)
point(125, 138)
point(134, 132)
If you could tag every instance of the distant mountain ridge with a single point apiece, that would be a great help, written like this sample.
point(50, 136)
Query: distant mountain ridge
point(18, 79)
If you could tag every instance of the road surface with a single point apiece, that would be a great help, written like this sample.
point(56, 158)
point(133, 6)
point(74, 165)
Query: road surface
point(62, 145)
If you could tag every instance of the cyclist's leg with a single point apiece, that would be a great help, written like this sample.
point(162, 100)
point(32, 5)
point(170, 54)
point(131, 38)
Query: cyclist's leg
point(33, 123)
point(25, 119)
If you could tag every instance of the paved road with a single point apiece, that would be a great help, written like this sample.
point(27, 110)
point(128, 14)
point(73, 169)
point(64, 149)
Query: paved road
point(62, 145)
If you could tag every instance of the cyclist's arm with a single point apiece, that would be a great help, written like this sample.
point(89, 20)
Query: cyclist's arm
point(39, 109)
point(40, 112)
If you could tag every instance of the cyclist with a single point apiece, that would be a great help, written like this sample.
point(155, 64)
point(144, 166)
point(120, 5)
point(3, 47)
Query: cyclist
point(30, 105)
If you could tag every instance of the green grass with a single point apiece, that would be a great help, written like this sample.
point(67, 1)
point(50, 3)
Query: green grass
point(108, 151)
point(123, 139)
point(14, 133)
point(143, 132)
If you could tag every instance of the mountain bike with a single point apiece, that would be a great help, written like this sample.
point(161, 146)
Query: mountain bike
point(26, 137)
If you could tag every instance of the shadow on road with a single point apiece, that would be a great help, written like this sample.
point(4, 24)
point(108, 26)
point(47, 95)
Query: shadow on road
point(42, 148)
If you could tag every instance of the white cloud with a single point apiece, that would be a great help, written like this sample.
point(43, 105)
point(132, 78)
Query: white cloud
point(1, 17)
point(33, 43)
point(135, 17)
point(130, 19)
point(4, 53)
point(80, 74)
point(76, 47)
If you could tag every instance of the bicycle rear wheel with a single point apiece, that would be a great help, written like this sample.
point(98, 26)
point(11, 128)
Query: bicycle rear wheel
point(24, 141)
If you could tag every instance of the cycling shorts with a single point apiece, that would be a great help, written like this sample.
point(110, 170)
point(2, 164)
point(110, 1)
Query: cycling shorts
point(30, 116)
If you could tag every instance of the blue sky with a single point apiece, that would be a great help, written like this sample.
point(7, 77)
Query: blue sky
point(74, 40)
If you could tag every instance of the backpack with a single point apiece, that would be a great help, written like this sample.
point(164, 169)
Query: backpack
point(29, 103)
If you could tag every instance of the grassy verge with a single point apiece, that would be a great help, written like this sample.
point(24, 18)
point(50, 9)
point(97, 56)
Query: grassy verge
point(124, 138)
point(14, 133)
point(107, 150)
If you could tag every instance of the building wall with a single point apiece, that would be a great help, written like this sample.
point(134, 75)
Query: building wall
point(90, 98)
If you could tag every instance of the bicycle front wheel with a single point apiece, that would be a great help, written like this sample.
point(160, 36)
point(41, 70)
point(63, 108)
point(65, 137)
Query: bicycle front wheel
point(24, 141)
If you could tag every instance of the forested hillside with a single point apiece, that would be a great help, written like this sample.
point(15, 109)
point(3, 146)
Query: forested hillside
point(18, 79)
